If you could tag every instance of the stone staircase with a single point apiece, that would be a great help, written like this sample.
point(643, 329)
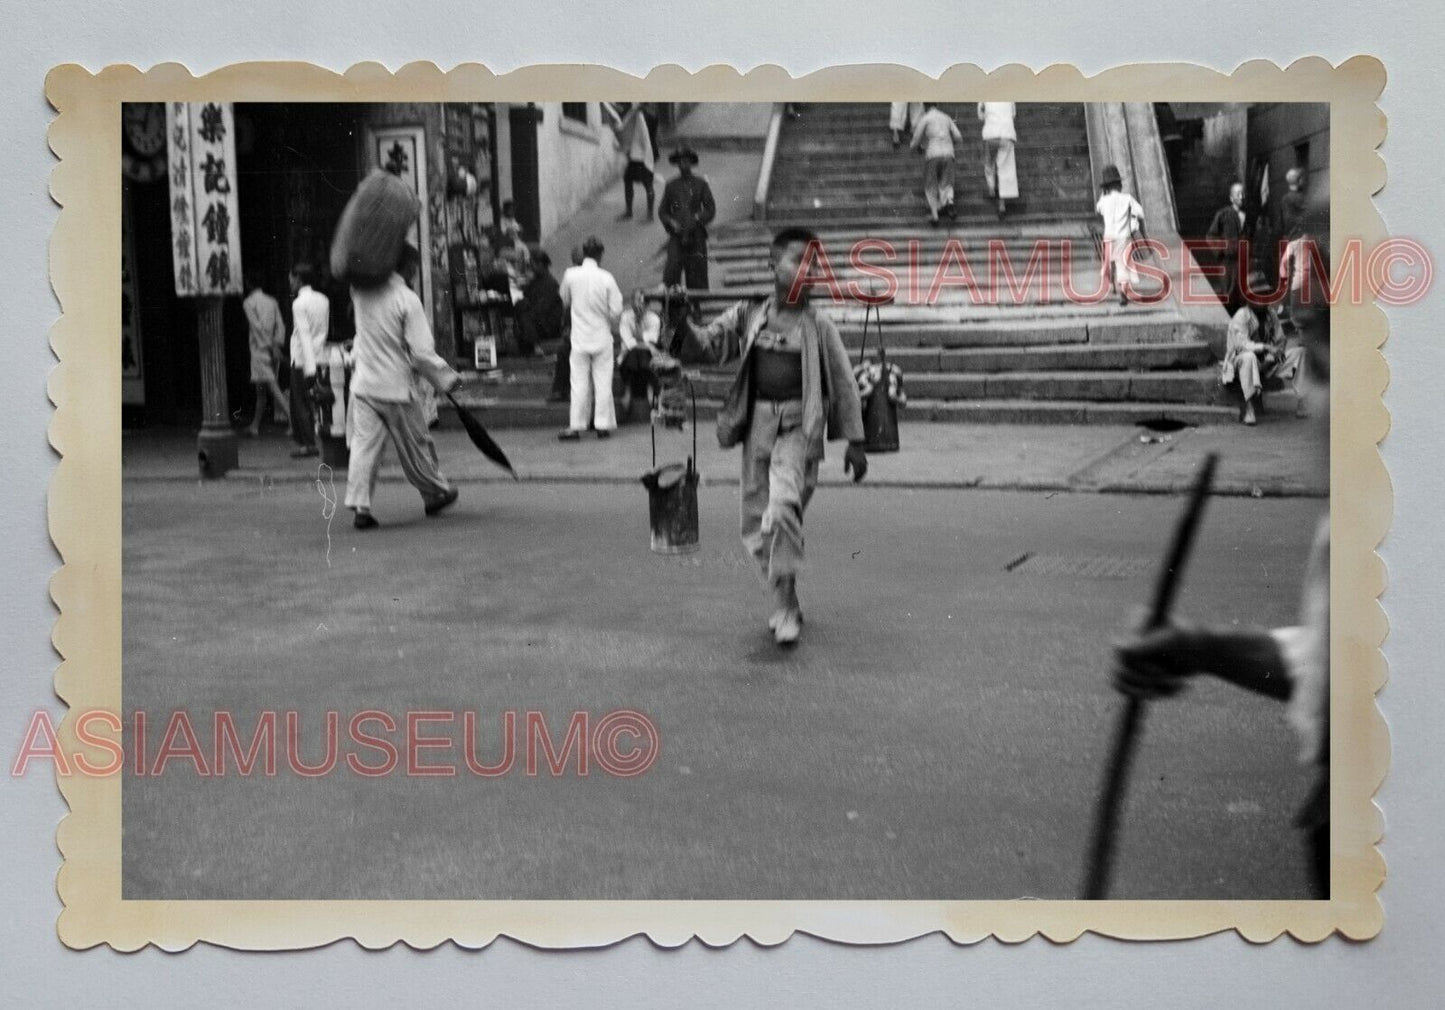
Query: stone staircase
point(968, 354)
point(983, 354)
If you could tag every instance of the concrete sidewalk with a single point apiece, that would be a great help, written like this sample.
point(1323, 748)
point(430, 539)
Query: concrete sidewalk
point(1282, 457)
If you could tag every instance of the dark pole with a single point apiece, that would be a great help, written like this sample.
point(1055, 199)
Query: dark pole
point(1126, 731)
point(216, 444)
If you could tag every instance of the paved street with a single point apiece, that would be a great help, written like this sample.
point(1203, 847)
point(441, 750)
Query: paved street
point(1283, 456)
point(938, 734)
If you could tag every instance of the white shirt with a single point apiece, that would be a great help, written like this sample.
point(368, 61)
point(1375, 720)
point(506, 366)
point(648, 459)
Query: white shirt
point(1119, 211)
point(592, 296)
point(310, 322)
point(393, 339)
point(647, 331)
point(998, 120)
point(939, 130)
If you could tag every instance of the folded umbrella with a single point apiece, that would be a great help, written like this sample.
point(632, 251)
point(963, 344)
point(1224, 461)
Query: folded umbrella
point(483, 441)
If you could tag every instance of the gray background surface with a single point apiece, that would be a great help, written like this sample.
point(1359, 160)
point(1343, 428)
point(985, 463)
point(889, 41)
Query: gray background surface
point(1400, 968)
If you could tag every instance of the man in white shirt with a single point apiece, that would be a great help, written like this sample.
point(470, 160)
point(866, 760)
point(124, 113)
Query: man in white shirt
point(591, 296)
point(999, 170)
point(1122, 218)
point(310, 322)
point(640, 329)
point(636, 143)
point(936, 133)
point(393, 341)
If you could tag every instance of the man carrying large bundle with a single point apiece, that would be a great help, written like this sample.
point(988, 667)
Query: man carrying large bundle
point(393, 340)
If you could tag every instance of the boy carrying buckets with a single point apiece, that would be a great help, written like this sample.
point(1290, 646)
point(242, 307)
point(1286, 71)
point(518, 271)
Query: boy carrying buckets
point(794, 388)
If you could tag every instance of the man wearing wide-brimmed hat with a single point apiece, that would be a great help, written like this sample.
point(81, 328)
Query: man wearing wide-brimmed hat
point(687, 209)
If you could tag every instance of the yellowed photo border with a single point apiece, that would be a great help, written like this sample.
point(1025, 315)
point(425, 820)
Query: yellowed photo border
point(85, 520)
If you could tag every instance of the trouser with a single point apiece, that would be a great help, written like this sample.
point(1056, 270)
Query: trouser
point(691, 262)
point(536, 327)
point(1119, 260)
point(592, 389)
point(369, 423)
point(1251, 374)
point(999, 169)
point(778, 479)
point(1229, 283)
point(901, 115)
point(636, 370)
point(303, 425)
point(637, 172)
point(938, 184)
point(269, 389)
point(562, 370)
point(526, 332)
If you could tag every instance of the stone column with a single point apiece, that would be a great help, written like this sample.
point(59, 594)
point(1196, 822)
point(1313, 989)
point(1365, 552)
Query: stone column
point(216, 444)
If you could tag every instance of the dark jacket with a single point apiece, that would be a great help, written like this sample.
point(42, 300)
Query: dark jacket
point(1226, 225)
point(687, 208)
point(542, 301)
point(831, 408)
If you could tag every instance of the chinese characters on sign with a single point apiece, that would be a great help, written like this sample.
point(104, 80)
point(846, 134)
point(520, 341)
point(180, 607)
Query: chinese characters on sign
point(205, 236)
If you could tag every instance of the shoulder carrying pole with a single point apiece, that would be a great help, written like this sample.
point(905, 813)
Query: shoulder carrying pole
point(1126, 732)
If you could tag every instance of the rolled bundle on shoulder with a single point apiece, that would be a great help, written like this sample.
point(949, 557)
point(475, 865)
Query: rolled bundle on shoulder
point(372, 230)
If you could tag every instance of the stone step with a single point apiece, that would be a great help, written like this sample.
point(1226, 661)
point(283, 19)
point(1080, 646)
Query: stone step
point(1024, 112)
point(755, 236)
point(845, 149)
point(874, 127)
point(807, 196)
point(1198, 386)
point(1067, 156)
point(944, 367)
point(536, 413)
point(969, 215)
point(1084, 275)
point(905, 178)
point(956, 305)
point(1051, 357)
point(1061, 412)
point(1162, 328)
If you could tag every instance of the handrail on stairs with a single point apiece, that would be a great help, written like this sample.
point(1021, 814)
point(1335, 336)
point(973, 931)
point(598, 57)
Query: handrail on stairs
point(765, 172)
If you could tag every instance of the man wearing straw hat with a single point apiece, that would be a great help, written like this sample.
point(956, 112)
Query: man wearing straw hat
point(686, 210)
point(794, 388)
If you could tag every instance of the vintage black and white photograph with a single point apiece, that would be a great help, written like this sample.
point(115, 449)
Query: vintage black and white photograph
point(725, 500)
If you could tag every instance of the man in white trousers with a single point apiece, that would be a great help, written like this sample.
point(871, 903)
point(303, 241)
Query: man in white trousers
point(900, 116)
point(999, 171)
point(393, 341)
point(592, 297)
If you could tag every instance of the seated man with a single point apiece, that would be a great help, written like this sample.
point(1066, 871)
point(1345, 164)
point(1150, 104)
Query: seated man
point(539, 313)
point(640, 328)
point(1256, 351)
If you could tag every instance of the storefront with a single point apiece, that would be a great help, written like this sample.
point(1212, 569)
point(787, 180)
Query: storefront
point(297, 164)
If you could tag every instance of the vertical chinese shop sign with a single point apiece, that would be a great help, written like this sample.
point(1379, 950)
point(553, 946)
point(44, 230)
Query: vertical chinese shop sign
point(205, 233)
point(206, 251)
